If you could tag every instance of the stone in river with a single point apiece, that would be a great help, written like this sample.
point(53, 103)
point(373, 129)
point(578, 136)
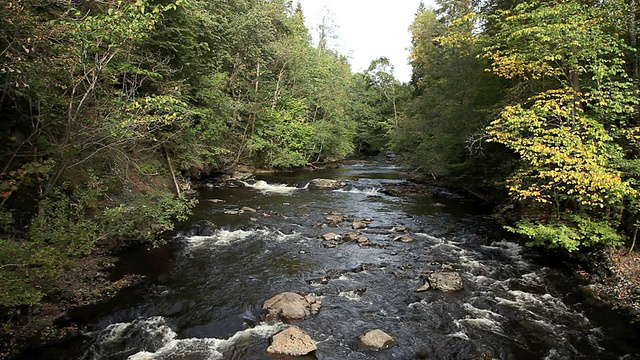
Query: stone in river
point(359, 225)
point(363, 241)
point(377, 339)
point(290, 306)
point(400, 228)
point(326, 184)
point(445, 281)
point(403, 238)
point(350, 236)
point(334, 220)
point(329, 236)
point(293, 342)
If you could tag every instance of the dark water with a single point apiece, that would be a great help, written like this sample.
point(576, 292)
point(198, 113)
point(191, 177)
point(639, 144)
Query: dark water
point(203, 295)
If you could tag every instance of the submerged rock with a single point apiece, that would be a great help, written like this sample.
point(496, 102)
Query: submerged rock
point(445, 281)
point(326, 184)
point(293, 342)
point(377, 339)
point(290, 306)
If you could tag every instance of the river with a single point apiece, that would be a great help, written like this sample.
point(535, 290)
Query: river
point(204, 290)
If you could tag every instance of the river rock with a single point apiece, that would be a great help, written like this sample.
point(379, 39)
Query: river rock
point(334, 220)
point(326, 184)
point(329, 236)
point(400, 228)
point(377, 339)
point(290, 306)
point(293, 342)
point(350, 236)
point(364, 241)
point(403, 238)
point(358, 224)
point(248, 209)
point(445, 281)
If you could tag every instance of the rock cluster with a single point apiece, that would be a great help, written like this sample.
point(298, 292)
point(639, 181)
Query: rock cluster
point(290, 306)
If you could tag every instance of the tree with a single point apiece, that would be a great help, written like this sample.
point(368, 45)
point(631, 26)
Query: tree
point(571, 133)
point(452, 95)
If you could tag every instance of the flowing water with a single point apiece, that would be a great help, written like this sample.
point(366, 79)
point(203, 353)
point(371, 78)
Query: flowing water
point(205, 289)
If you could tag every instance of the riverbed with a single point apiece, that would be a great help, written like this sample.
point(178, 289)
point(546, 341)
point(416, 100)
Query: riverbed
point(250, 240)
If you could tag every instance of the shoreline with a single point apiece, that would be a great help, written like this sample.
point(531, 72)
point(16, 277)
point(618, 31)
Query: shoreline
point(48, 323)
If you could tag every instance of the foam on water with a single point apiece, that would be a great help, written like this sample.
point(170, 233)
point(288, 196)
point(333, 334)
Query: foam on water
point(367, 191)
point(351, 295)
point(224, 237)
point(479, 323)
point(156, 340)
point(432, 238)
point(266, 188)
point(281, 237)
point(484, 313)
point(459, 335)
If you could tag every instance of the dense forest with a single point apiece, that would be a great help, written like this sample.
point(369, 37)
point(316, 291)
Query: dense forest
point(538, 99)
point(109, 108)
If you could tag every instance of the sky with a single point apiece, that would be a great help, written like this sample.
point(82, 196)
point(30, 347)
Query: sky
point(367, 29)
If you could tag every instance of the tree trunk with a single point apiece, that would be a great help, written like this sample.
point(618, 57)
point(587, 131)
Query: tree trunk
point(173, 173)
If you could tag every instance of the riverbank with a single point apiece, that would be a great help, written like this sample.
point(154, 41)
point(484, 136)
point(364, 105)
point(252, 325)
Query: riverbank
point(613, 276)
point(88, 283)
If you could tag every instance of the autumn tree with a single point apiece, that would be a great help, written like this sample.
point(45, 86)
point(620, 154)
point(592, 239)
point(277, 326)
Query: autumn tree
point(568, 121)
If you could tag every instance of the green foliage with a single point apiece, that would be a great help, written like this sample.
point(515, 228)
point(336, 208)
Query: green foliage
point(71, 221)
point(143, 216)
point(452, 95)
point(378, 102)
point(100, 102)
point(285, 138)
point(570, 233)
point(570, 134)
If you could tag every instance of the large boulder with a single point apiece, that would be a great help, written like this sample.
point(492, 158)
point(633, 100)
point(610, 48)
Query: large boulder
point(326, 184)
point(290, 306)
point(377, 339)
point(445, 281)
point(293, 342)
